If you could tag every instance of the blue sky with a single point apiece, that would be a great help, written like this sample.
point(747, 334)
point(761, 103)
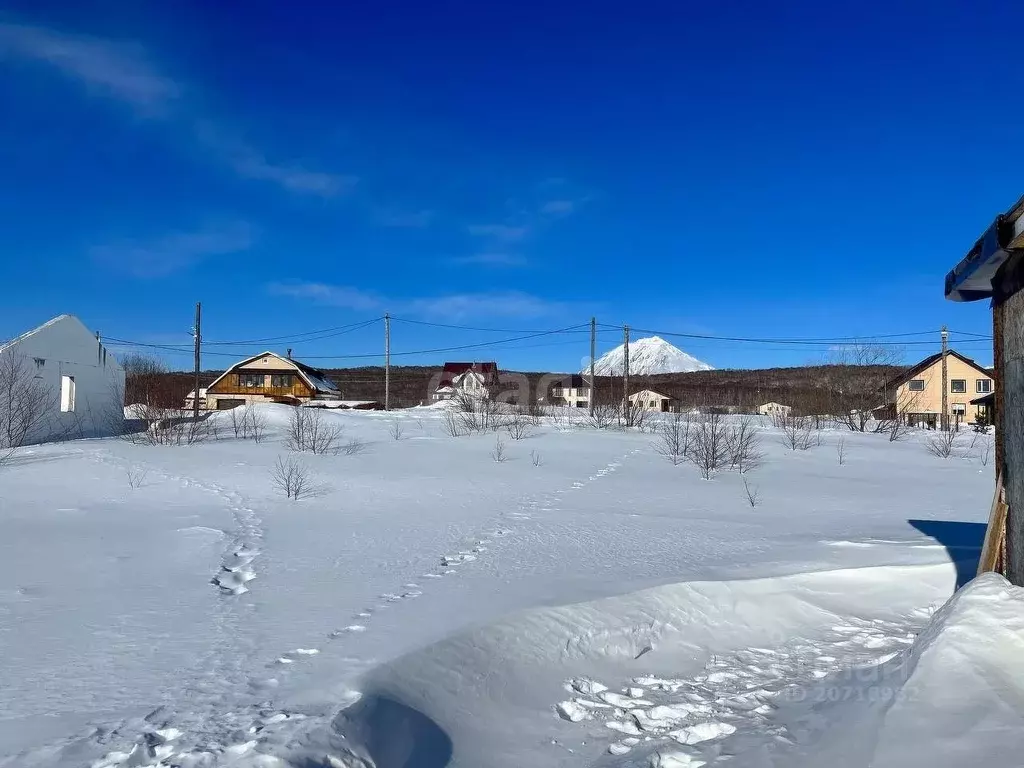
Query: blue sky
point(737, 169)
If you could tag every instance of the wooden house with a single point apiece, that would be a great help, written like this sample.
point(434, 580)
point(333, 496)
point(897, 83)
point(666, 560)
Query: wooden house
point(269, 378)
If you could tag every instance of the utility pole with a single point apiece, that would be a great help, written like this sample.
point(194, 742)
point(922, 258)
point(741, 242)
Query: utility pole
point(198, 335)
point(387, 361)
point(945, 380)
point(593, 364)
point(625, 372)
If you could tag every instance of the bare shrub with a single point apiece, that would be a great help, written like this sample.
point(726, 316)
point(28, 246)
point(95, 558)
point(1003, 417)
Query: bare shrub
point(942, 444)
point(478, 414)
point(708, 444)
point(752, 493)
point(603, 416)
point(238, 421)
point(535, 458)
point(630, 415)
point(452, 424)
point(354, 447)
point(797, 432)
point(841, 451)
point(309, 430)
point(397, 431)
point(985, 450)
point(743, 445)
point(136, 476)
point(291, 476)
point(498, 452)
point(518, 426)
point(674, 438)
point(174, 429)
point(257, 423)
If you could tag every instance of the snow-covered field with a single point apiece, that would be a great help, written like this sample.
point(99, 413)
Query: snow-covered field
point(430, 606)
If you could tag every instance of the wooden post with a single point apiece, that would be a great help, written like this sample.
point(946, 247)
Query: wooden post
point(593, 364)
point(944, 419)
point(387, 362)
point(198, 351)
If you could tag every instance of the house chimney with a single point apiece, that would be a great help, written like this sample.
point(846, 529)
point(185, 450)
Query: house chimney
point(289, 353)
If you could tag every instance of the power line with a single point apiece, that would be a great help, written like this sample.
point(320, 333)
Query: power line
point(325, 333)
point(464, 327)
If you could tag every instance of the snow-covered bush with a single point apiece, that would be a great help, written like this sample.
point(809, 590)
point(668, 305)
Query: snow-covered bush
point(943, 444)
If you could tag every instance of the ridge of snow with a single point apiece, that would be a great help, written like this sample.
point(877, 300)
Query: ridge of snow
point(648, 356)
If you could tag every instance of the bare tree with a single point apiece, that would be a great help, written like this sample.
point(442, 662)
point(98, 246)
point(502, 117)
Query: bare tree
point(237, 417)
point(841, 450)
point(498, 453)
point(309, 430)
point(291, 476)
point(752, 493)
point(146, 381)
point(603, 416)
point(860, 379)
point(708, 444)
point(453, 424)
point(518, 425)
point(159, 428)
point(743, 445)
point(257, 423)
point(797, 433)
point(985, 450)
point(26, 403)
point(396, 430)
point(943, 444)
point(674, 438)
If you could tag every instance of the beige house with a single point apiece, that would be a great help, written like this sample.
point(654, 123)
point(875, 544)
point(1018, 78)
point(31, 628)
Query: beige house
point(916, 396)
point(269, 378)
point(774, 410)
point(573, 391)
point(649, 400)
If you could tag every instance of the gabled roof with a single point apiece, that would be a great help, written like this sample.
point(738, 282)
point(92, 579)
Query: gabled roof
point(86, 333)
point(573, 381)
point(653, 392)
point(316, 379)
point(929, 361)
point(456, 368)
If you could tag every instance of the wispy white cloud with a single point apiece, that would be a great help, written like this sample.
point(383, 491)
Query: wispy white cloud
point(123, 72)
point(118, 70)
point(455, 306)
point(404, 219)
point(491, 259)
point(559, 207)
point(174, 251)
point(505, 232)
point(341, 296)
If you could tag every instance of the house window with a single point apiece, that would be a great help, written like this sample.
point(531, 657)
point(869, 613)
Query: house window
point(250, 380)
point(67, 394)
point(917, 385)
point(959, 409)
point(958, 386)
point(984, 386)
point(281, 380)
point(556, 392)
point(39, 361)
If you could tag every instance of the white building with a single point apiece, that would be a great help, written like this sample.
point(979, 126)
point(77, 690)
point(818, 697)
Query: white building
point(774, 410)
point(59, 381)
point(649, 400)
point(573, 391)
point(476, 380)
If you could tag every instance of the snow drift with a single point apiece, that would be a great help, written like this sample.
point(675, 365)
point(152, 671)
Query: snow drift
point(648, 357)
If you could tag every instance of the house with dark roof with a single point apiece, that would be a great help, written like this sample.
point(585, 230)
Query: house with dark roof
point(573, 391)
point(473, 379)
point(915, 396)
point(269, 378)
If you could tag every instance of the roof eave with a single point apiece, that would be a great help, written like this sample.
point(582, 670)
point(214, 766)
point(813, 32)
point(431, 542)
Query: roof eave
point(971, 279)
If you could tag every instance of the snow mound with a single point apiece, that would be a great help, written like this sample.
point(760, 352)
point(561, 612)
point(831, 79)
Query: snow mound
point(648, 357)
point(954, 698)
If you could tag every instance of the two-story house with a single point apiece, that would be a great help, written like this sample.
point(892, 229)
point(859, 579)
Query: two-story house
point(573, 391)
point(271, 378)
point(477, 380)
point(916, 395)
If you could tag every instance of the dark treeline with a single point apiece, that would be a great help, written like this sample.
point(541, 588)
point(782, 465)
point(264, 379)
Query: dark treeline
point(808, 389)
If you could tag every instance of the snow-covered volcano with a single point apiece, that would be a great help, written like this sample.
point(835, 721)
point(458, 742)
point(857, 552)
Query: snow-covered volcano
point(648, 357)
